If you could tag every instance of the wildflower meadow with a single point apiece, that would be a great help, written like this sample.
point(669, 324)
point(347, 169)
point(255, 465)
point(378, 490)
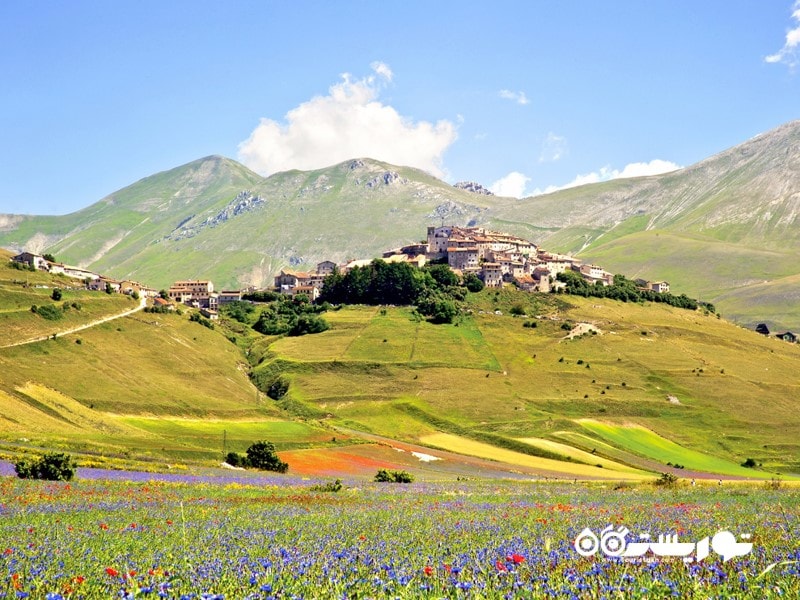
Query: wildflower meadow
point(128, 535)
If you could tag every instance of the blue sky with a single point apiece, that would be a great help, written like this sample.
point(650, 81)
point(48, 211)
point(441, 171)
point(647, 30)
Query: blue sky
point(522, 96)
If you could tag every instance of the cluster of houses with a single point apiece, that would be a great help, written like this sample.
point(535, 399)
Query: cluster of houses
point(90, 279)
point(494, 257)
point(200, 294)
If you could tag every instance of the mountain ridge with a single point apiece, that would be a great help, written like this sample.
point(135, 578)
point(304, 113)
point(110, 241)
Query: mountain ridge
point(214, 218)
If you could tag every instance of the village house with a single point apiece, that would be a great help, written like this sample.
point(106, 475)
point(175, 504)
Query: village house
point(595, 274)
point(193, 292)
point(227, 296)
point(32, 260)
point(787, 336)
point(492, 274)
point(661, 287)
point(463, 259)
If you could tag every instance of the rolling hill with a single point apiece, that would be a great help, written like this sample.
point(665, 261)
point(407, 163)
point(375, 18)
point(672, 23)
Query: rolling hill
point(724, 230)
point(654, 389)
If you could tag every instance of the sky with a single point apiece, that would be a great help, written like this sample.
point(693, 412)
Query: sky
point(523, 97)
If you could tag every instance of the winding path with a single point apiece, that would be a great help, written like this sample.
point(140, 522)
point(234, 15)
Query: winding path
point(142, 304)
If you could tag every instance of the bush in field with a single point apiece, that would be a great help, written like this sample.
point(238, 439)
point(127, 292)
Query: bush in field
point(56, 295)
point(331, 486)
point(48, 311)
point(666, 480)
point(750, 463)
point(235, 460)
point(393, 476)
point(278, 388)
point(52, 467)
point(261, 455)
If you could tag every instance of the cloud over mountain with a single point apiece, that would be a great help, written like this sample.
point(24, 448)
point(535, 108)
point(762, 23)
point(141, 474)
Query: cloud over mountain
point(789, 53)
point(350, 121)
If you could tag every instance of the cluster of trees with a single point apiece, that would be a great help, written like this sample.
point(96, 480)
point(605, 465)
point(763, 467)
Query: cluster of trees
point(435, 290)
point(384, 476)
point(292, 316)
point(624, 290)
point(55, 466)
point(260, 455)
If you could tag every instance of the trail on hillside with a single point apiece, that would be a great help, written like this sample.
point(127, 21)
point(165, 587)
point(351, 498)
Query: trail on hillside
point(141, 305)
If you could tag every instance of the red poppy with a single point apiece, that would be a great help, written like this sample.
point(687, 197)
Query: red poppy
point(112, 571)
point(428, 570)
point(500, 566)
point(515, 558)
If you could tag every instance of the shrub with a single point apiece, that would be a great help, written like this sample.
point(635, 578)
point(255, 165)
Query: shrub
point(750, 463)
point(236, 460)
point(385, 476)
point(261, 455)
point(52, 467)
point(49, 311)
point(278, 388)
point(666, 480)
point(56, 295)
point(518, 310)
point(331, 486)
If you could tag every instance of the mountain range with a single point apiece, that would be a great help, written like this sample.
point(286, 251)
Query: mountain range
point(724, 230)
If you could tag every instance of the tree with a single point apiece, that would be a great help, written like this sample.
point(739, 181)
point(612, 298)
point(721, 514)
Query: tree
point(49, 257)
point(109, 288)
point(473, 283)
point(52, 467)
point(261, 455)
point(56, 295)
point(163, 294)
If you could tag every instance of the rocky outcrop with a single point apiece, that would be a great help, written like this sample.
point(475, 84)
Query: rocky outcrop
point(244, 202)
point(471, 186)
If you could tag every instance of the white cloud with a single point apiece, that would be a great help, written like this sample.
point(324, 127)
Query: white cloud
point(518, 97)
point(637, 169)
point(641, 169)
point(512, 185)
point(382, 70)
point(349, 122)
point(554, 148)
point(790, 53)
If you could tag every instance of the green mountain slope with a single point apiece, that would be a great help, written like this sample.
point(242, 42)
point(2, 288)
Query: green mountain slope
point(215, 219)
point(714, 229)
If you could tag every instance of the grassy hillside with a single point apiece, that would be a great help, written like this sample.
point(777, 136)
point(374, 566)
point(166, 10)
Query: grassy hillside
point(658, 385)
point(701, 383)
point(21, 289)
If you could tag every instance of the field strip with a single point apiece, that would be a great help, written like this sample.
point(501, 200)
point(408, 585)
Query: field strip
point(545, 466)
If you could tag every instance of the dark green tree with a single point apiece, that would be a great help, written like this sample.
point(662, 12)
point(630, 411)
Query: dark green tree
point(261, 455)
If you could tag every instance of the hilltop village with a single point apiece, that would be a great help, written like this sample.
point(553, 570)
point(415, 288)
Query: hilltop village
point(496, 258)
